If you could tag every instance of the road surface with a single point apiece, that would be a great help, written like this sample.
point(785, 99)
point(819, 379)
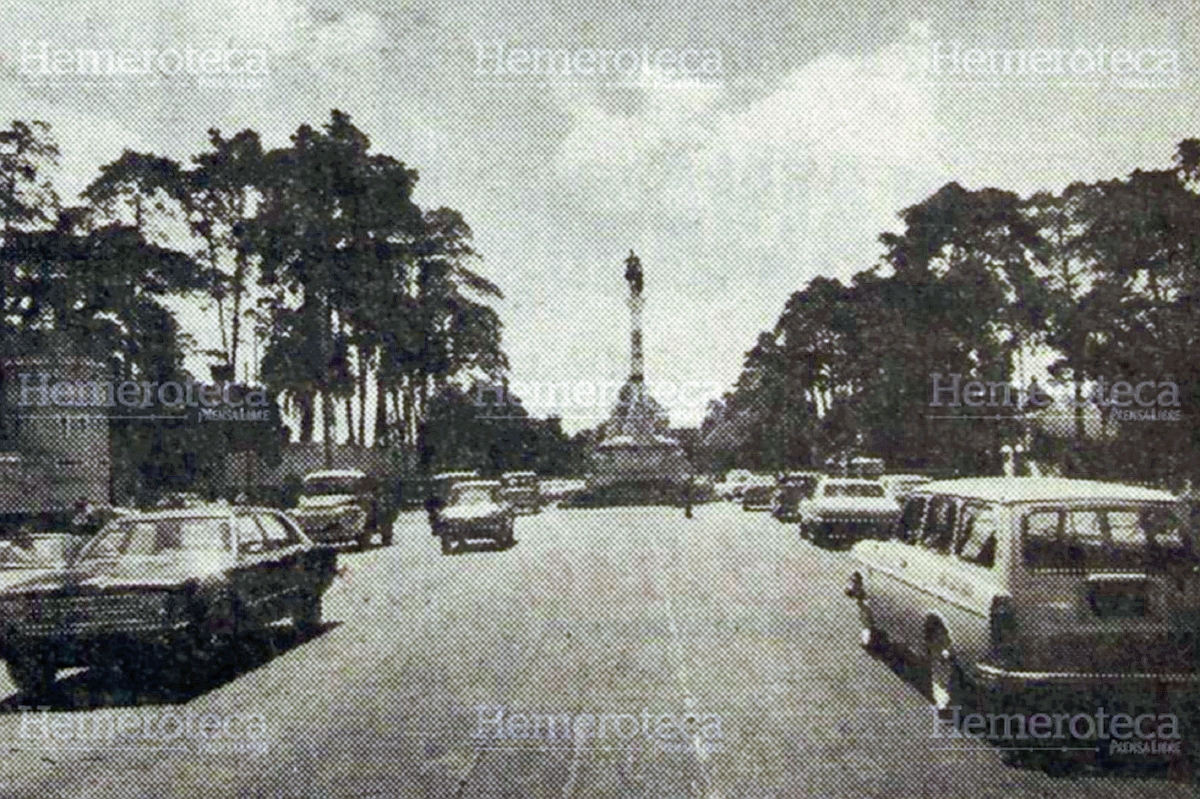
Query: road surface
point(622, 652)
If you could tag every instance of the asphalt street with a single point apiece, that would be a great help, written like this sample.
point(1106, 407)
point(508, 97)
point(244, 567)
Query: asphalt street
point(624, 652)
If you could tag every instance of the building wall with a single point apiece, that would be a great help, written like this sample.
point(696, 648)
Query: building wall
point(53, 456)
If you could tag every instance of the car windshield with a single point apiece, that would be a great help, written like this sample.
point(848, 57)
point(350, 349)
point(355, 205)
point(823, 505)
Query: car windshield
point(1149, 538)
point(472, 495)
point(854, 490)
point(332, 485)
point(149, 537)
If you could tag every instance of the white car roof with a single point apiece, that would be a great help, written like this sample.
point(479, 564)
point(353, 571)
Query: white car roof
point(1042, 489)
point(334, 473)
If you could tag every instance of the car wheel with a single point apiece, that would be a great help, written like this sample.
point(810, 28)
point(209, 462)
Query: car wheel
point(447, 545)
point(945, 676)
point(33, 672)
point(387, 537)
point(308, 615)
point(364, 539)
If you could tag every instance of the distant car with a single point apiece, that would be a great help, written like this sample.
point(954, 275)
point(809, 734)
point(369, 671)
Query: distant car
point(473, 510)
point(900, 486)
point(439, 492)
point(561, 489)
point(180, 499)
point(759, 497)
point(520, 489)
point(342, 506)
point(794, 488)
point(182, 582)
point(734, 484)
point(843, 510)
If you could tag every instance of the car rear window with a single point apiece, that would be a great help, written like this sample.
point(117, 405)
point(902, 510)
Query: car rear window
point(1149, 538)
point(853, 490)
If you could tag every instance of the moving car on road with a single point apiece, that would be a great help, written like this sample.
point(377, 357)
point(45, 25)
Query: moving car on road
point(1006, 583)
point(342, 506)
point(843, 510)
point(474, 509)
point(180, 583)
point(520, 489)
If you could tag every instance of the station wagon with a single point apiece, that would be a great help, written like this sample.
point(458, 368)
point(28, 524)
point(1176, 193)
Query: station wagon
point(1005, 583)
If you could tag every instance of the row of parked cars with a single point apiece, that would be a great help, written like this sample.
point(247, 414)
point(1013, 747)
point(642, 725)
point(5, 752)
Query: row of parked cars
point(831, 510)
point(174, 586)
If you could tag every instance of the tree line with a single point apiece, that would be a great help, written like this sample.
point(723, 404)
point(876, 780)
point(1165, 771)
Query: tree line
point(1103, 276)
point(364, 303)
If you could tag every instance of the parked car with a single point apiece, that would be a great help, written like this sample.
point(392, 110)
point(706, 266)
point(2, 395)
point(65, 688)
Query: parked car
point(1006, 583)
point(343, 506)
point(900, 486)
point(842, 510)
point(734, 484)
point(182, 582)
point(794, 488)
point(561, 489)
point(474, 509)
point(520, 489)
point(759, 497)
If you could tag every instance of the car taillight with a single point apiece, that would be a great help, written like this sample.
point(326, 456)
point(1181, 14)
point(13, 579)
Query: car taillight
point(1003, 619)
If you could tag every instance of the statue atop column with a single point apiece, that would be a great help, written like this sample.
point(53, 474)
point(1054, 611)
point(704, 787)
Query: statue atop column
point(633, 274)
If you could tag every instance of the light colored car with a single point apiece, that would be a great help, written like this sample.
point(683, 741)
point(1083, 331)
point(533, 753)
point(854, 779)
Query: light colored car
point(900, 486)
point(734, 484)
point(520, 489)
point(1008, 582)
point(474, 509)
point(341, 506)
point(843, 510)
point(759, 497)
point(560, 489)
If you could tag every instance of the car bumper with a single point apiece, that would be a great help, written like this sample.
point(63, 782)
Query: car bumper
point(995, 676)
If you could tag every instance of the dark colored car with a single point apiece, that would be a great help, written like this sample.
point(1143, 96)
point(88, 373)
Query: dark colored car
point(794, 488)
point(474, 509)
point(183, 584)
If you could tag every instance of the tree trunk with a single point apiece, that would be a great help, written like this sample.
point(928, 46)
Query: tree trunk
point(350, 419)
point(381, 431)
point(306, 418)
point(362, 396)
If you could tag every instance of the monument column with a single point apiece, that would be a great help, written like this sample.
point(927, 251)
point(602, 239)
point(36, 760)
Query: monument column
point(633, 275)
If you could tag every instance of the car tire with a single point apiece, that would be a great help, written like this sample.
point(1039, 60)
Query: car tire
point(364, 540)
point(32, 672)
point(308, 615)
point(387, 536)
point(447, 545)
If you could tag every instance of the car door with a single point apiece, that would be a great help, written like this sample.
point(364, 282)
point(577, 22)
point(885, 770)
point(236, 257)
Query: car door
point(922, 565)
point(890, 564)
point(251, 577)
point(287, 566)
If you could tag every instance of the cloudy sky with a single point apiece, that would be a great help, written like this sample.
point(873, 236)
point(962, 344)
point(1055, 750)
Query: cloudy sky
point(796, 135)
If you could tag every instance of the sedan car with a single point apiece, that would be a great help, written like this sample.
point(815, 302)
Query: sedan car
point(342, 506)
point(901, 486)
point(177, 583)
point(474, 509)
point(520, 489)
point(759, 497)
point(843, 510)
